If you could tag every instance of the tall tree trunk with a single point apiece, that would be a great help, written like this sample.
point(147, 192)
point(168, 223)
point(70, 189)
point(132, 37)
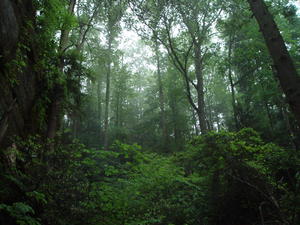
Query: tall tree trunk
point(200, 90)
point(107, 93)
point(55, 107)
point(286, 71)
point(99, 108)
point(163, 125)
point(233, 100)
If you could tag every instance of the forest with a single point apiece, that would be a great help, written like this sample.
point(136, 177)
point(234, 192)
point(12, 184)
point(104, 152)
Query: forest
point(149, 112)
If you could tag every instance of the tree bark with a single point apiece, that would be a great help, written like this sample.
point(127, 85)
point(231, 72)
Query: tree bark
point(286, 71)
point(200, 91)
point(118, 109)
point(174, 110)
point(99, 107)
point(64, 37)
point(55, 107)
point(161, 94)
point(107, 93)
point(195, 122)
point(233, 100)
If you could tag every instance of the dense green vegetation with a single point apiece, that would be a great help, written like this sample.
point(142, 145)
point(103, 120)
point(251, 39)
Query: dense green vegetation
point(155, 112)
point(220, 178)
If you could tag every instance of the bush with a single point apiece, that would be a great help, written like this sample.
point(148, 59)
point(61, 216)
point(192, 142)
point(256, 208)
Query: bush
point(221, 178)
point(241, 174)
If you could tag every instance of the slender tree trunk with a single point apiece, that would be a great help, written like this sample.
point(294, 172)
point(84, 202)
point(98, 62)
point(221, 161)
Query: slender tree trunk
point(195, 122)
point(99, 100)
point(233, 100)
point(286, 71)
point(99, 107)
point(173, 106)
point(161, 94)
point(209, 120)
point(118, 110)
point(200, 90)
point(107, 94)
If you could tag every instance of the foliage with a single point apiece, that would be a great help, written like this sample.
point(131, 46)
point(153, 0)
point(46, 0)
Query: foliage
point(237, 163)
point(21, 213)
point(203, 184)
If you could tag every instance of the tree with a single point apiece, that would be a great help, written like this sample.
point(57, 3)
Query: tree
point(158, 59)
point(285, 69)
point(57, 95)
point(113, 14)
point(189, 45)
